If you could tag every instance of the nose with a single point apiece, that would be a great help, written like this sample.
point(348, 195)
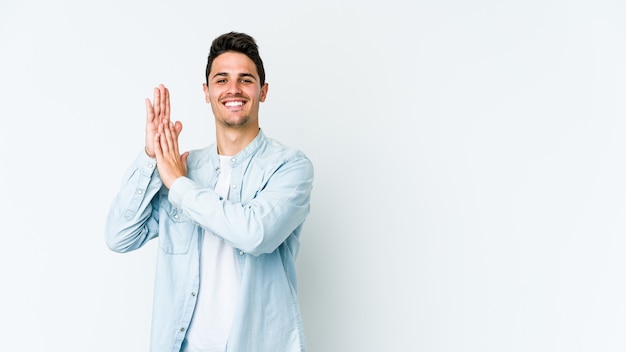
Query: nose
point(234, 87)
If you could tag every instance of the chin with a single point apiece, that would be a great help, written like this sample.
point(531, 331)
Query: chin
point(236, 122)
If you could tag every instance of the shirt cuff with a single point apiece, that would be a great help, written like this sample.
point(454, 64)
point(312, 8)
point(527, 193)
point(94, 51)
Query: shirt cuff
point(178, 189)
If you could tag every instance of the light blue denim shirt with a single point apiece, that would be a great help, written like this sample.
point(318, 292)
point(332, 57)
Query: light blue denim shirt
point(262, 219)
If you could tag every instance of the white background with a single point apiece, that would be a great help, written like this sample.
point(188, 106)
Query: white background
point(469, 157)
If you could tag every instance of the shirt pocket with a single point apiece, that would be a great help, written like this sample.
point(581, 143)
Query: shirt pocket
point(177, 230)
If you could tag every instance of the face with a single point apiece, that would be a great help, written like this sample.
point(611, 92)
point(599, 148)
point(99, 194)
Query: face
point(234, 91)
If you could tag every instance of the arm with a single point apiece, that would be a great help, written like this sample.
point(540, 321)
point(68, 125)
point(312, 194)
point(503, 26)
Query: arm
point(133, 217)
point(260, 225)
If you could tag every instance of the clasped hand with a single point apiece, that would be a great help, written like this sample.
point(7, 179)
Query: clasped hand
point(162, 137)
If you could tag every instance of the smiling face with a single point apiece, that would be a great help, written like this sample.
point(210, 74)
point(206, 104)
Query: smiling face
point(234, 91)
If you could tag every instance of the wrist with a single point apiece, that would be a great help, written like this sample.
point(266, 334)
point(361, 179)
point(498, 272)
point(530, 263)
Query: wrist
point(145, 149)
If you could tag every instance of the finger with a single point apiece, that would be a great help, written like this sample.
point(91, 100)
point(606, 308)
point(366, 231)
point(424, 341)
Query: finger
point(162, 101)
point(156, 145)
point(156, 106)
point(164, 140)
point(174, 138)
point(171, 137)
point(179, 128)
point(149, 110)
point(167, 103)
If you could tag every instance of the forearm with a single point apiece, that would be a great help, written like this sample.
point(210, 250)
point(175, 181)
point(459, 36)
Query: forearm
point(132, 219)
point(259, 225)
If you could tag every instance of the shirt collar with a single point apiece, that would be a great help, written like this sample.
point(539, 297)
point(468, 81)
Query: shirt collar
point(248, 151)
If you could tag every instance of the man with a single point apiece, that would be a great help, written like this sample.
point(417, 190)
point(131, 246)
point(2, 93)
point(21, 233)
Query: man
point(228, 217)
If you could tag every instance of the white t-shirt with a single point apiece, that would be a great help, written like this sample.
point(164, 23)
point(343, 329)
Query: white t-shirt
point(219, 285)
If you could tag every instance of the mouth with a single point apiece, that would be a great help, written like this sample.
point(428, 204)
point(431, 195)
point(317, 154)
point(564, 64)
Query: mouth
point(234, 105)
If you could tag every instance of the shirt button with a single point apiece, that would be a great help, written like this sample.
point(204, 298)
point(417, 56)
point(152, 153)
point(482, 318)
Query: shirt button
point(233, 160)
point(182, 329)
point(240, 252)
point(176, 216)
point(139, 191)
point(193, 294)
point(150, 166)
point(234, 186)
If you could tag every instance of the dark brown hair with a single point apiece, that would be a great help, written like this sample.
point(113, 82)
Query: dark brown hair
point(237, 42)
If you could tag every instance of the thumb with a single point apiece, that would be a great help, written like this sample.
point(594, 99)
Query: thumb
point(184, 158)
point(178, 126)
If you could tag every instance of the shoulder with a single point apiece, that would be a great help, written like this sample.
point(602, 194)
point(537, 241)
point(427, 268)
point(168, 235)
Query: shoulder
point(274, 156)
point(276, 150)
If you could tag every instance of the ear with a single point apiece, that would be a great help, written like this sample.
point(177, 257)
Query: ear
point(205, 89)
point(264, 92)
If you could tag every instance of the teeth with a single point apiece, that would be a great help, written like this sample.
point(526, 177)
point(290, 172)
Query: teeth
point(234, 103)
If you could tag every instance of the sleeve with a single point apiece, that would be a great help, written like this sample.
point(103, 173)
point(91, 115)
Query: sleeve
point(263, 223)
point(133, 216)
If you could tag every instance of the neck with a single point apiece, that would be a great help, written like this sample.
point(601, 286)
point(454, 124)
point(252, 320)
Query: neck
point(231, 142)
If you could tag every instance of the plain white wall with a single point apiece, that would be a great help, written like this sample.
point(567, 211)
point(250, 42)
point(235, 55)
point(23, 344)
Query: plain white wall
point(469, 191)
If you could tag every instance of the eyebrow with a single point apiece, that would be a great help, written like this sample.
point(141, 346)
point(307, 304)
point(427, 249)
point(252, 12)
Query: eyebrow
point(225, 74)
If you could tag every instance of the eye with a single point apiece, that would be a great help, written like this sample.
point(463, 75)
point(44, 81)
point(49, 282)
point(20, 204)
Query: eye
point(245, 80)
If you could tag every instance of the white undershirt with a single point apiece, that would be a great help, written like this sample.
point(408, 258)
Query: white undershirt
point(219, 285)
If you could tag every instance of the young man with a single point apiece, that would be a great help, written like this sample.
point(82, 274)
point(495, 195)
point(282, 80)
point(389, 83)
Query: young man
point(228, 217)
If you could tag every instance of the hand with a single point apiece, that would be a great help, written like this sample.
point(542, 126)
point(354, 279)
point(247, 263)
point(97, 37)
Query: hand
point(170, 163)
point(155, 114)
